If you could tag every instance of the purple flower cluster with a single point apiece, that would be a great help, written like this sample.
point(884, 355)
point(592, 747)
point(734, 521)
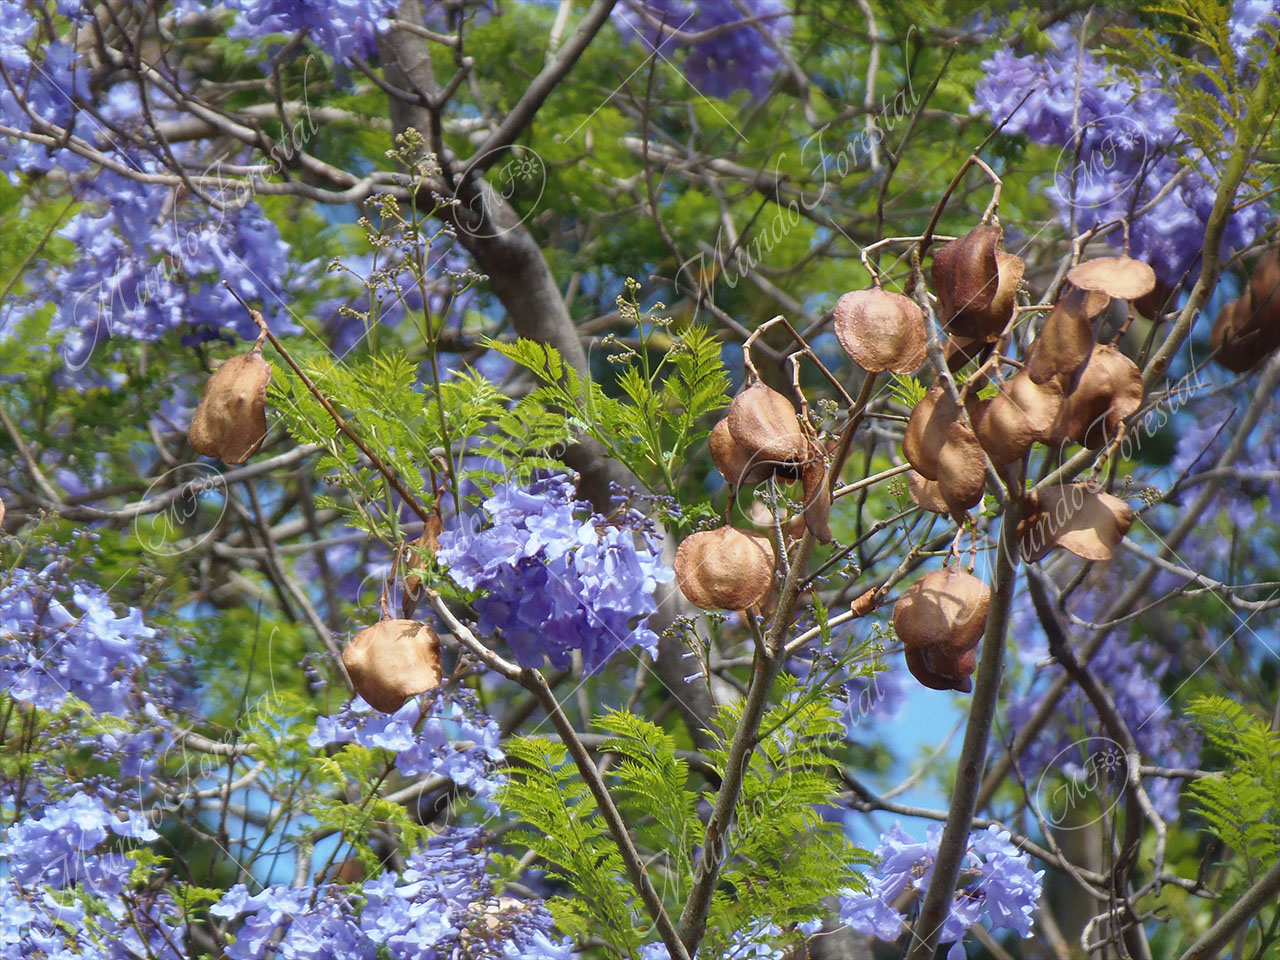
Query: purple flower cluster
point(556, 578)
point(997, 887)
point(341, 28)
point(453, 739)
point(44, 82)
point(48, 652)
point(729, 57)
point(1120, 146)
point(57, 850)
point(145, 269)
point(442, 906)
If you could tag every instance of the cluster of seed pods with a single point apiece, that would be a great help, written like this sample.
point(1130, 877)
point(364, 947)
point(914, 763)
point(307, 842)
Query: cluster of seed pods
point(1068, 389)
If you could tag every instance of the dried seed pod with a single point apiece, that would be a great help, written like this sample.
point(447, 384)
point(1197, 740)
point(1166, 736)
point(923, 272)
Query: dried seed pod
point(762, 422)
point(1248, 329)
point(1064, 343)
point(1089, 523)
point(734, 462)
point(1108, 389)
point(940, 618)
point(1120, 278)
point(1020, 414)
point(925, 493)
point(954, 676)
point(725, 568)
point(966, 275)
point(391, 661)
point(926, 431)
point(962, 350)
point(817, 495)
point(962, 469)
point(991, 321)
point(880, 330)
point(231, 420)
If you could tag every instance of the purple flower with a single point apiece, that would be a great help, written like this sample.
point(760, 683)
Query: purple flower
point(729, 57)
point(556, 578)
point(996, 881)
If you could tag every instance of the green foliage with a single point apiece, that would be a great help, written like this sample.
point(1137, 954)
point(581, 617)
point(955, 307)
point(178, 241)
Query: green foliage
point(545, 791)
point(1242, 805)
point(906, 389)
point(1199, 65)
point(780, 857)
point(661, 416)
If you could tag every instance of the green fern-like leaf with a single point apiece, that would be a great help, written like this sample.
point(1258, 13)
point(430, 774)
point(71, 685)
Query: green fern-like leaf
point(1241, 806)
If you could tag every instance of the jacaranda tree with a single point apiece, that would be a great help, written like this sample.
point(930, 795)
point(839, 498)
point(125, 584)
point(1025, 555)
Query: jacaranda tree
point(639, 478)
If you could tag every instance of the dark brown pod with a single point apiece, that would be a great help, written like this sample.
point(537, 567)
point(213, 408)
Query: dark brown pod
point(962, 350)
point(1120, 278)
point(1064, 344)
point(945, 612)
point(391, 661)
point(734, 462)
point(926, 431)
point(962, 469)
point(725, 568)
point(1089, 523)
point(966, 275)
point(991, 321)
point(954, 675)
point(880, 330)
point(1248, 329)
point(1107, 390)
point(1020, 414)
point(925, 493)
point(231, 420)
point(762, 422)
point(817, 495)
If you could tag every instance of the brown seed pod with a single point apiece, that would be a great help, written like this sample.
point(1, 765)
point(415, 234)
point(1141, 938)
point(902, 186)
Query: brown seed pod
point(926, 431)
point(1107, 390)
point(961, 350)
point(942, 615)
point(762, 422)
point(231, 420)
point(1020, 414)
point(880, 330)
point(962, 469)
point(1120, 278)
point(1064, 343)
point(817, 495)
point(734, 462)
point(925, 493)
point(966, 275)
point(725, 568)
point(1089, 523)
point(393, 660)
point(1248, 329)
point(952, 675)
point(989, 322)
